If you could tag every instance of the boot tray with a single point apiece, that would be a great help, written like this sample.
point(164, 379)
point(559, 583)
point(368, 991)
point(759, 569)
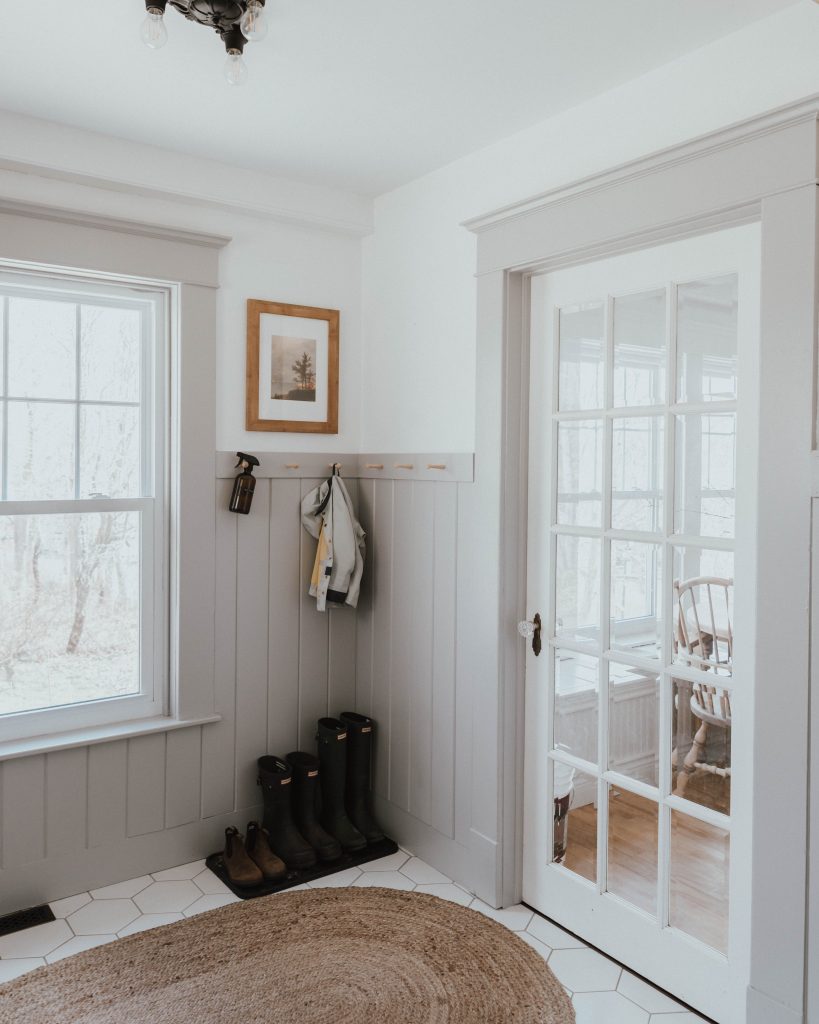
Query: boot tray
point(372, 851)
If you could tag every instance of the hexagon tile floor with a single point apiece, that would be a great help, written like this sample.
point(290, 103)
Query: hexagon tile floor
point(602, 991)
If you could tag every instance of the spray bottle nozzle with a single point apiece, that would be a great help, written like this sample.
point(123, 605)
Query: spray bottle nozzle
point(246, 461)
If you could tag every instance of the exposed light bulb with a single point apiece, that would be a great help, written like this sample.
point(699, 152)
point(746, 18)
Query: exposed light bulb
point(235, 69)
point(154, 33)
point(254, 22)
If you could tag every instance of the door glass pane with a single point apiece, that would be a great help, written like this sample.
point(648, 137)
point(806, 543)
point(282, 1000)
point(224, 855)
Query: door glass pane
point(632, 850)
point(576, 699)
point(701, 744)
point(575, 820)
point(636, 597)
point(707, 340)
point(580, 472)
point(40, 450)
point(638, 458)
point(42, 349)
point(70, 609)
point(577, 598)
point(705, 475)
point(634, 723)
point(109, 451)
point(581, 377)
point(700, 858)
point(110, 354)
point(640, 349)
point(703, 615)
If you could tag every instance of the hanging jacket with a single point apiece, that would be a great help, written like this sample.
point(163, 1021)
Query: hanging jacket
point(327, 514)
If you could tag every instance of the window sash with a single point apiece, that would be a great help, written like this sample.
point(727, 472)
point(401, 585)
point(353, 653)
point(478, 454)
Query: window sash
point(151, 504)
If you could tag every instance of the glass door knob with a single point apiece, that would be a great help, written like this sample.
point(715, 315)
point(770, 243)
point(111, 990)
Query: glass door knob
point(531, 631)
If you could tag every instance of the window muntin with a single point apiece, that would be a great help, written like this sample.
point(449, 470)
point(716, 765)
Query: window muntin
point(82, 503)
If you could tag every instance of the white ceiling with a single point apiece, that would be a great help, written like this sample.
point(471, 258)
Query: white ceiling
point(359, 94)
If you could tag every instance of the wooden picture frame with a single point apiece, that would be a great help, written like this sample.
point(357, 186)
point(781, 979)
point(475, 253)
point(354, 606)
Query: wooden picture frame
point(292, 368)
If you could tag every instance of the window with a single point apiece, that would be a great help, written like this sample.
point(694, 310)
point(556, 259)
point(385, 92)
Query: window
point(83, 532)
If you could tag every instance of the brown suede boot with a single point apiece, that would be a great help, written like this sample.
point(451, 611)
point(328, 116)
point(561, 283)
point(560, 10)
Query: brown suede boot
point(258, 849)
point(240, 868)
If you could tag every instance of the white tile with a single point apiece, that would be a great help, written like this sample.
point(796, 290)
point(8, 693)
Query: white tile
point(62, 908)
point(607, 1008)
point(36, 941)
point(584, 970)
point(210, 884)
point(552, 935)
point(180, 874)
point(11, 969)
point(386, 879)
point(449, 891)
point(538, 946)
point(516, 918)
point(390, 863)
point(146, 921)
point(676, 1018)
point(167, 897)
point(103, 917)
point(122, 890)
point(210, 903)
point(337, 880)
point(645, 995)
point(422, 874)
point(78, 945)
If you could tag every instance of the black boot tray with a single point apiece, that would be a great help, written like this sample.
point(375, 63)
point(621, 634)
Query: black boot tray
point(372, 851)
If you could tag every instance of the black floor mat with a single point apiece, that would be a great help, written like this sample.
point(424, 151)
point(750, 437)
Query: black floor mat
point(321, 870)
point(21, 919)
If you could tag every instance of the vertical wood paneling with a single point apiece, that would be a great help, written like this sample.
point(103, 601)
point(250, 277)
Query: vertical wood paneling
point(146, 785)
point(183, 777)
point(23, 811)
point(382, 631)
point(443, 659)
point(107, 788)
point(364, 616)
point(313, 644)
point(219, 740)
point(403, 606)
point(66, 801)
point(251, 643)
point(421, 586)
point(341, 683)
point(283, 626)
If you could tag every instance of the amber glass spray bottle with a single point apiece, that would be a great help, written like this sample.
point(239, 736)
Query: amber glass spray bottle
point(244, 485)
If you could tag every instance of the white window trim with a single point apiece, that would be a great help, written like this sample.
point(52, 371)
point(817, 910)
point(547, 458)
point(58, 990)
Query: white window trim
point(159, 343)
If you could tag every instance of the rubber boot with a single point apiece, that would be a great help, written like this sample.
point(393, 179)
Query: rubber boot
point(258, 849)
point(240, 869)
point(360, 735)
point(332, 752)
point(305, 768)
point(284, 839)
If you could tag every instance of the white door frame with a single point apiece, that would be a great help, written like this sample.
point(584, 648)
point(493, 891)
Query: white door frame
point(763, 170)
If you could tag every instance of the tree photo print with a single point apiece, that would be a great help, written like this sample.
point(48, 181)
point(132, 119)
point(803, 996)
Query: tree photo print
point(293, 369)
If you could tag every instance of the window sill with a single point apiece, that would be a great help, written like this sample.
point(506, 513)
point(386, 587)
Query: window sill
point(87, 737)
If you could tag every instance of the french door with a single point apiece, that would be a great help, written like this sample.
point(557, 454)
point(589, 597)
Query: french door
point(641, 460)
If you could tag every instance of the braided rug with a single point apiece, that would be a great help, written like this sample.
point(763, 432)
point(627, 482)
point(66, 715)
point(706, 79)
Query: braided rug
point(323, 956)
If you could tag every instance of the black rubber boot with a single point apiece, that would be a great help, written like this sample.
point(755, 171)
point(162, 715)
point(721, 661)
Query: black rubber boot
point(332, 752)
point(284, 838)
point(360, 735)
point(305, 769)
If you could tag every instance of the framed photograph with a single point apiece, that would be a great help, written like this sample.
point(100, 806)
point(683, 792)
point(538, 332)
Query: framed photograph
point(292, 368)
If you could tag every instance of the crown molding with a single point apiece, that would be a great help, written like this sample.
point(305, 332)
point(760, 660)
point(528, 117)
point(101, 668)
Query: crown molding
point(772, 121)
point(281, 215)
point(62, 215)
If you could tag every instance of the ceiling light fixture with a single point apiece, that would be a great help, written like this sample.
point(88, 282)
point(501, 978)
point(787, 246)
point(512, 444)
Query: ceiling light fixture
point(237, 22)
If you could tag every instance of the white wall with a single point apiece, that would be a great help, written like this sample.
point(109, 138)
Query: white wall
point(290, 243)
point(418, 368)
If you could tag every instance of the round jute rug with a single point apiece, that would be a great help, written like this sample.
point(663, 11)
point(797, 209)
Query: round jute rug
point(323, 956)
